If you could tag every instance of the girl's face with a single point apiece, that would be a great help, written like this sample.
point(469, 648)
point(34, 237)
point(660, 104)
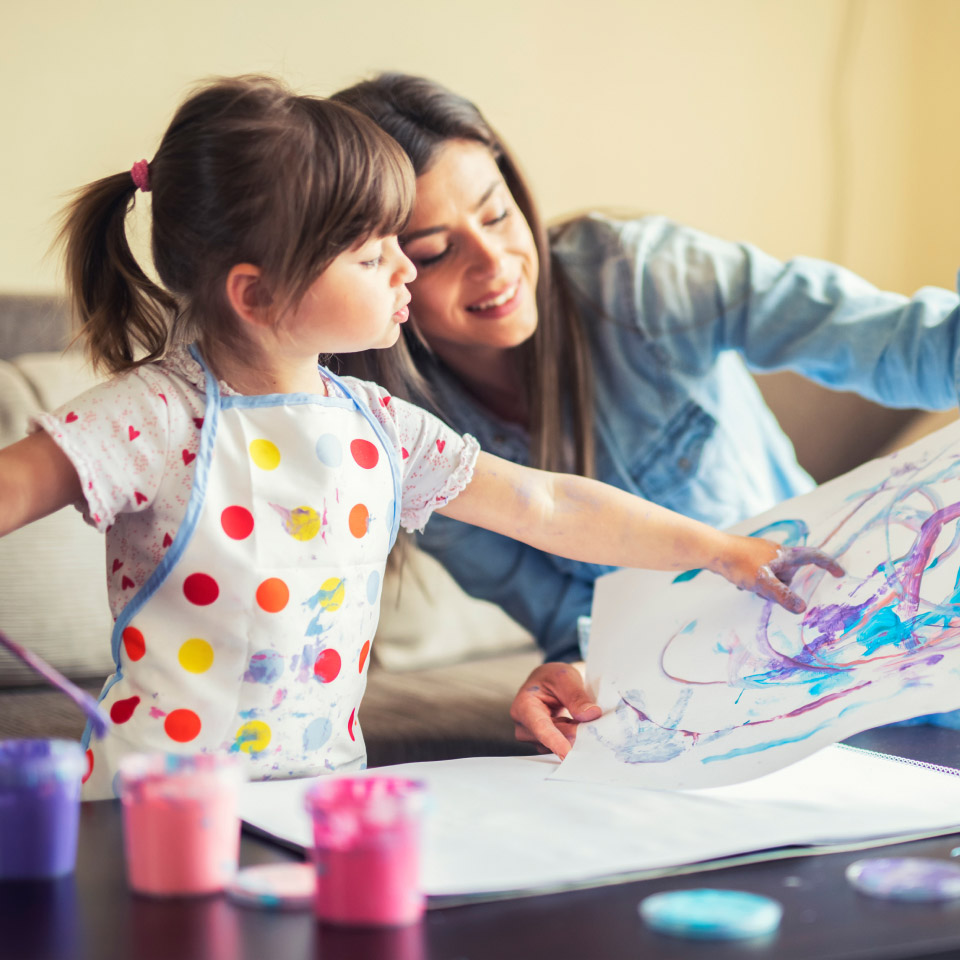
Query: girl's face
point(475, 294)
point(357, 303)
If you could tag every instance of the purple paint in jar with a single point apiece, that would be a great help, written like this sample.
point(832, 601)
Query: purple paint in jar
point(39, 807)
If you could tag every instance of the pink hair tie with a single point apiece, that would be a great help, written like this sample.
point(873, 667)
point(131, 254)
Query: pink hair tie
point(140, 174)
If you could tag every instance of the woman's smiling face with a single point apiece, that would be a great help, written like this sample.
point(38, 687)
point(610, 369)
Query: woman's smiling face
point(475, 292)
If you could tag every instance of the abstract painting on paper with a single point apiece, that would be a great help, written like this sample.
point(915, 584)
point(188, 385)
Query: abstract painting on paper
point(702, 686)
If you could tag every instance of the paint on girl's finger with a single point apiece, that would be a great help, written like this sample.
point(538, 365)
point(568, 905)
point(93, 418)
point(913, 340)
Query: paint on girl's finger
point(905, 878)
point(706, 914)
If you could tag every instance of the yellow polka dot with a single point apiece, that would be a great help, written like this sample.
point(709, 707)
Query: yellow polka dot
point(304, 523)
point(333, 588)
point(196, 655)
point(264, 454)
point(253, 736)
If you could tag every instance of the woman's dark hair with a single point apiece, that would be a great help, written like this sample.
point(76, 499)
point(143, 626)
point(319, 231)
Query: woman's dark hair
point(247, 172)
point(422, 116)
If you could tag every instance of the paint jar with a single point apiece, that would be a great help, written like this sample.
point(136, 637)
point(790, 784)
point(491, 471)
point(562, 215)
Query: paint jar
point(181, 829)
point(39, 807)
point(366, 849)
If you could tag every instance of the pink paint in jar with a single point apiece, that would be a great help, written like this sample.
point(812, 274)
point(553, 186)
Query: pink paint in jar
point(181, 829)
point(366, 850)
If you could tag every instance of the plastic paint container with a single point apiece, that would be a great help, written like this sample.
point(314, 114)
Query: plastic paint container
point(39, 807)
point(366, 850)
point(180, 824)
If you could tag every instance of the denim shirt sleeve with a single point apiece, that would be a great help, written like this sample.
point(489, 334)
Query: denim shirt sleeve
point(703, 295)
point(521, 580)
point(671, 313)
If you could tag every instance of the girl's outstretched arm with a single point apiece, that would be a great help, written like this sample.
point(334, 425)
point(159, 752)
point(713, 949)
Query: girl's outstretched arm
point(586, 520)
point(36, 478)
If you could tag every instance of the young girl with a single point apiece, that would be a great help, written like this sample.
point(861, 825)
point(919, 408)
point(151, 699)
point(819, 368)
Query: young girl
point(250, 498)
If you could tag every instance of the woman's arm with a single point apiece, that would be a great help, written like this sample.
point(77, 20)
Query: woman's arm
point(592, 522)
point(36, 478)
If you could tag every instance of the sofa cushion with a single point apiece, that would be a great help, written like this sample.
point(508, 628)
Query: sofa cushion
point(52, 572)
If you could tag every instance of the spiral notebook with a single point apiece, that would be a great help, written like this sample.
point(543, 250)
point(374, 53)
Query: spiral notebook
point(498, 827)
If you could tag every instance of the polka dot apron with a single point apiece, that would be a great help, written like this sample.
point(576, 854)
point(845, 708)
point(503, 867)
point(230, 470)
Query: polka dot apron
point(253, 634)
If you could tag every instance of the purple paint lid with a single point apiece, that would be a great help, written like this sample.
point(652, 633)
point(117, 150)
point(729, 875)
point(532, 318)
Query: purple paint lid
point(905, 878)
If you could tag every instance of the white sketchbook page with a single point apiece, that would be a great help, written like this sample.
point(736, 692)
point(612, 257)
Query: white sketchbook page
point(702, 685)
point(501, 824)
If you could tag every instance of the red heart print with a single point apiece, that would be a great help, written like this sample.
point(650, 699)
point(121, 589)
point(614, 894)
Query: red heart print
point(385, 400)
point(133, 434)
point(117, 564)
point(167, 540)
point(126, 583)
point(139, 497)
point(198, 422)
point(162, 397)
point(188, 457)
point(70, 417)
point(405, 452)
point(441, 444)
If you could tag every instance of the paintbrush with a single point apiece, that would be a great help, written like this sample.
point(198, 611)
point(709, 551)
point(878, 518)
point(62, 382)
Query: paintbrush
point(81, 698)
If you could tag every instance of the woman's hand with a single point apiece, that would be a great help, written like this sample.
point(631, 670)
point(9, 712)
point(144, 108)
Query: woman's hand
point(766, 568)
point(550, 705)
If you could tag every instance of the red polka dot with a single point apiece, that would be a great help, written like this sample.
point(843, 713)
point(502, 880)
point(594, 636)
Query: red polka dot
point(364, 650)
point(272, 595)
point(134, 643)
point(182, 725)
point(353, 714)
point(327, 665)
point(201, 589)
point(122, 710)
point(237, 522)
point(359, 516)
point(365, 453)
point(86, 776)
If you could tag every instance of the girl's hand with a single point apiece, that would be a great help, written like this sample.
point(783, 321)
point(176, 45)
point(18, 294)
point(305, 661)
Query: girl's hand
point(766, 568)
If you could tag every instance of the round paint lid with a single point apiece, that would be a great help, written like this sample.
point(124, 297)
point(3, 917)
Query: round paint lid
point(275, 886)
point(707, 914)
point(905, 878)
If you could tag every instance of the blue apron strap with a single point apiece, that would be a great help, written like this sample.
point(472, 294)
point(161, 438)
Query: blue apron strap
point(385, 443)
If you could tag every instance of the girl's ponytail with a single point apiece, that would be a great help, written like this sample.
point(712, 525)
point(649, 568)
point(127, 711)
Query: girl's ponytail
point(125, 316)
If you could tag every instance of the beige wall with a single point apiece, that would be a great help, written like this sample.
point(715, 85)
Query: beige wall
point(823, 127)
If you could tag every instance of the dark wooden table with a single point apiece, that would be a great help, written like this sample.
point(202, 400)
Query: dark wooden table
point(93, 915)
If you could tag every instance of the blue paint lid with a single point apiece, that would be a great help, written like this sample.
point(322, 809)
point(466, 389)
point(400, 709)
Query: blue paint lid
point(707, 914)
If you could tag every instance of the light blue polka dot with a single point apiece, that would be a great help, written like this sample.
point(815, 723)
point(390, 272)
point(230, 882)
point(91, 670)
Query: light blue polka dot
point(373, 586)
point(329, 451)
point(317, 734)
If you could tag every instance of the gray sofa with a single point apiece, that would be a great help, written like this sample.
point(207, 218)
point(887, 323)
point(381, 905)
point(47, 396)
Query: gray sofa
point(445, 667)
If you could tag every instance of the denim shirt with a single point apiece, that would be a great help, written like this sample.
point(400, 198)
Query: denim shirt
point(675, 318)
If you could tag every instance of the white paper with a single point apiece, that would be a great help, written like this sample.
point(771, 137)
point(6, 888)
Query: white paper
point(501, 824)
point(702, 685)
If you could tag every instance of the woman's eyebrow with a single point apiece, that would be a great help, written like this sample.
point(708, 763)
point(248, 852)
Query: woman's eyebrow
point(440, 228)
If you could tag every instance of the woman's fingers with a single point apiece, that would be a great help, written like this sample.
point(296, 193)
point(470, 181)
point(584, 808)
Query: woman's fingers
point(549, 706)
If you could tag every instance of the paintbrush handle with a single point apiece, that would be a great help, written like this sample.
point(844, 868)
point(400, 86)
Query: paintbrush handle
point(55, 678)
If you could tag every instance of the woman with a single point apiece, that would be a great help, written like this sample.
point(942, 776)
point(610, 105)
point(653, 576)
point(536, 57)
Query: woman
point(616, 350)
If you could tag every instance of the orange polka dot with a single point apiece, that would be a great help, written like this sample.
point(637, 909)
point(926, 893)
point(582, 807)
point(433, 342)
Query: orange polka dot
point(134, 643)
point(364, 650)
point(86, 776)
point(182, 725)
point(359, 518)
point(272, 595)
